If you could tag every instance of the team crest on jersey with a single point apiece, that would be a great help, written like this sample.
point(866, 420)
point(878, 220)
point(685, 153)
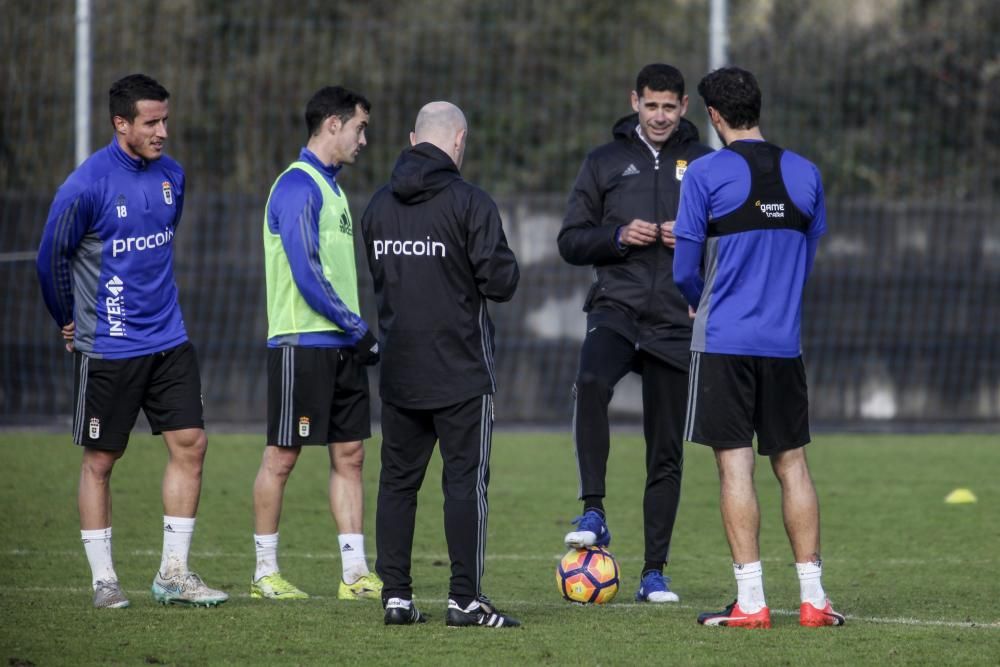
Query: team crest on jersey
point(168, 194)
point(95, 428)
point(303, 427)
point(680, 168)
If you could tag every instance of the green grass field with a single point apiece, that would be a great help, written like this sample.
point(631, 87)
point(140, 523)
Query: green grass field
point(916, 577)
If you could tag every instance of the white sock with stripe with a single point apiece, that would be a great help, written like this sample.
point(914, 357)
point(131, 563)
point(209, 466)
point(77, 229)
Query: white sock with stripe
point(352, 556)
point(810, 583)
point(750, 586)
point(177, 534)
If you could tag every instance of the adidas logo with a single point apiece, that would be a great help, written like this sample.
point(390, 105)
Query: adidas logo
point(168, 528)
point(631, 170)
point(347, 547)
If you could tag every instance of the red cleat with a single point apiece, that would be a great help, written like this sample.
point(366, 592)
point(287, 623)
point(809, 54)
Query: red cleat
point(734, 617)
point(814, 617)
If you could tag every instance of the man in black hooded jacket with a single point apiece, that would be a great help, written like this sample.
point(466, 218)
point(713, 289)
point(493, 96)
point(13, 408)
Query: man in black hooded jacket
point(437, 252)
point(620, 220)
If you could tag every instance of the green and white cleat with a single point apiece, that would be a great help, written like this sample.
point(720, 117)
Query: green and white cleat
point(186, 588)
point(368, 587)
point(109, 595)
point(276, 587)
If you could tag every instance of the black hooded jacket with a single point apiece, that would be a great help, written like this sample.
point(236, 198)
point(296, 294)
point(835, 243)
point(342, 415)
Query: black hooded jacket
point(633, 292)
point(436, 251)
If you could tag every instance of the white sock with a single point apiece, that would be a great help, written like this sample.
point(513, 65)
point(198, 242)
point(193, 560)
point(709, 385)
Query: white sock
point(810, 585)
point(750, 586)
point(97, 544)
point(267, 555)
point(352, 556)
point(177, 533)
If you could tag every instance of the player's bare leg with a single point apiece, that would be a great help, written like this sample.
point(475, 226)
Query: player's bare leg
point(174, 582)
point(799, 505)
point(276, 466)
point(94, 495)
point(800, 509)
point(347, 507)
point(182, 476)
point(741, 518)
point(269, 487)
point(346, 490)
point(94, 501)
point(738, 501)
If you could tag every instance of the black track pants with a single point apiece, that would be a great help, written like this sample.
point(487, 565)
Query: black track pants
point(465, 433)
point(604, 360)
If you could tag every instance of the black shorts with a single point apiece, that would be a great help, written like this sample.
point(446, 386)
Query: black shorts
point(731, 397)
point(316, 396)
point(109, 393)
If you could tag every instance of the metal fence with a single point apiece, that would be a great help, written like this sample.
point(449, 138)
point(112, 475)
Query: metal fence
point(896, 101)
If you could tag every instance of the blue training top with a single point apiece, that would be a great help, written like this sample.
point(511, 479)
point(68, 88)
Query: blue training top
point(106, 256)
point(293, 213)
point(749, 297)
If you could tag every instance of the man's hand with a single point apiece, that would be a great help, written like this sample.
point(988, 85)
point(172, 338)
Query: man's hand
point(67, 333)
point(638, 233)
point(366, 350)
point(667, 233)
point(692, 313)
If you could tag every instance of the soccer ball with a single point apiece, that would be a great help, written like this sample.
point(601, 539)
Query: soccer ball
point(588, 576)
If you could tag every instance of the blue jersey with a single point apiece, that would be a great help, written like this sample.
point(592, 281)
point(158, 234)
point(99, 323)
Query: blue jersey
point(746, 281)
point(106, 257)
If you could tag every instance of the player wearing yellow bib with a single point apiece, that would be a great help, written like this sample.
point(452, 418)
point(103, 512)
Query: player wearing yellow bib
point(318, 345)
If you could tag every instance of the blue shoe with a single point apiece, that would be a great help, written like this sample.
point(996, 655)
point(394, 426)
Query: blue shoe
point(592, 531)
point(654, 587)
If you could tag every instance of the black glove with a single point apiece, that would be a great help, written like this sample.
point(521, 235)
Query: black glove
point(366, 350)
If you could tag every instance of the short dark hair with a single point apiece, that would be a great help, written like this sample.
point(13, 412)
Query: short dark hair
point(333, 101)
point(659, 77)
point(127, 92)
point(734, 93)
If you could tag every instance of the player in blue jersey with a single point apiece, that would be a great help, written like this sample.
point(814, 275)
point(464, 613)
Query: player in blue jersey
point(105, 265)
point(317, 344)
point(750, 219)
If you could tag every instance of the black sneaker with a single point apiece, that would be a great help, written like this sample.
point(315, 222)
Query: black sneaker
point(479, 612)
point(402, 612)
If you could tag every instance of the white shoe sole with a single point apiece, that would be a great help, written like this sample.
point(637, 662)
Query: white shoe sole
point(661, 597)
point(581, 539)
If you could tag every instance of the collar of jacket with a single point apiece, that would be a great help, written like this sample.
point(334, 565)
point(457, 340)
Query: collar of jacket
point(124, 159)
point(624, 130)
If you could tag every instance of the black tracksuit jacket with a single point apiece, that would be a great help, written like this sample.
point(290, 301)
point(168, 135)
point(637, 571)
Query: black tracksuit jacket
point(633, 293)
point(436, 251)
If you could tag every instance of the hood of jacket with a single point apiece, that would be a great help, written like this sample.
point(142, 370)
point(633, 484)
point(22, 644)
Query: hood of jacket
point(421, 172)
point(624, 129)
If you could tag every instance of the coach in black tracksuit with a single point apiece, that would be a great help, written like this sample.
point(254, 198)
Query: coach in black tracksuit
point(620, 220)
point(437, 253)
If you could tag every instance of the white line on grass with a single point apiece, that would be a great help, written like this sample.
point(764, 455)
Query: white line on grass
point(547, 604)
point(333, 555)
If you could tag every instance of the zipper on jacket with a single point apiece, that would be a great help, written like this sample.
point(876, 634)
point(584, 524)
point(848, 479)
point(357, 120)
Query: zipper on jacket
point(658, 242)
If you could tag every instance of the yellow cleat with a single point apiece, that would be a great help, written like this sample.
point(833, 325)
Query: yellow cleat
point(368, 587)
point(276, 587)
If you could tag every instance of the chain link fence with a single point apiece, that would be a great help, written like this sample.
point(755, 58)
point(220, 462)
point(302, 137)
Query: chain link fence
point(896, 101)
